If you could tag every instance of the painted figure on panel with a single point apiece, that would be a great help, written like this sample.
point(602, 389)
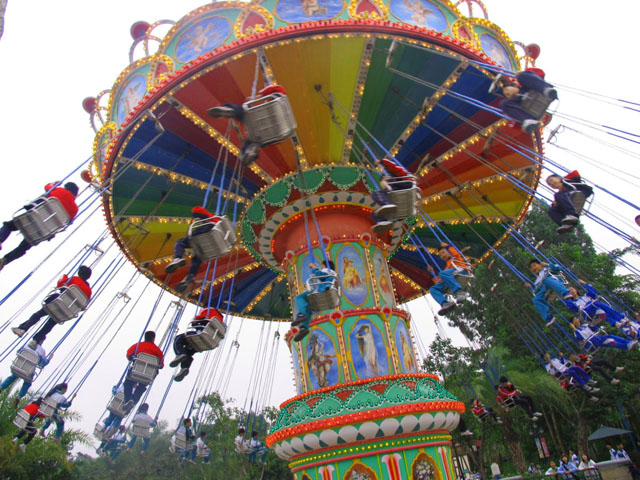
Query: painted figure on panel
point(319, 362)
point(367, 347)
point(298, 11)
point(492, 47)
point(353, 275)
point(403, 344)
point(202, 37)
point(132, 93)
point(421, 13)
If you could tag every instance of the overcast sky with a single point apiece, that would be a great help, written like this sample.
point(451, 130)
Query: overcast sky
point(56, 53)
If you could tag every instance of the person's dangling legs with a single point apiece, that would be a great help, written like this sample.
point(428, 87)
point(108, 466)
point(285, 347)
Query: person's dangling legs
point(533, 81)
point(6, 229)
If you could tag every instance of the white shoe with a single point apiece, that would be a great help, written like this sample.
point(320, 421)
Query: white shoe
point(534, 419)
point(594, 399)
point(537, 414)
point(460, 295)
point(550, 322)
point(499, 422)
point(385, 210)
point(551, 93)
point(570, 220)
point(18, 331)
point(181, 374)
point(615, 381)
point(382, 227)
point(221, 111)
point(594, 389)
point(632, 344)
point(446, 307)
point(176, 361)
point(32, 344)
point(466, 433)
point(15, 441)
point(564, 228)
point(175, 264)
point(530, 126)
point(619, 369)
point(22, 448)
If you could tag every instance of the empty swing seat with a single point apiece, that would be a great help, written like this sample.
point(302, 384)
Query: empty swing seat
point(99, 431)
point(406, 200)
point(326, 300)
point(48, 407)
point(269, 119)
point(216, 242)
point(42, 221)
point(208, 337)
point(116, 405)
point(144, 369)
point(22, 419)
point(141, 427)
point(68, 305)
point(535, 103)
point(24, 365)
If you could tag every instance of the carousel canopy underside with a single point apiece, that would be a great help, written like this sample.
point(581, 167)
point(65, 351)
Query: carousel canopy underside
point(159, 188)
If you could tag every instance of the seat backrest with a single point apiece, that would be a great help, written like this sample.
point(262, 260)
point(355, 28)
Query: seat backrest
point(42, 221)
point(98, 431)
point(22, 419)
point(535, 103)
point(215, 243)
point(68, 305)
point(141, 428)
point(48, 407)
point(24, 365)
point(144, 368)
point(578, 199)
point(209, 337)
point(269, 119)
point(181, 440)
point(116, 405)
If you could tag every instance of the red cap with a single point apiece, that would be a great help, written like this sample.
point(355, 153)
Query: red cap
point(201, 211)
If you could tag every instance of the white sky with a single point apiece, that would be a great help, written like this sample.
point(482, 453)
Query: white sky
point(57, 53)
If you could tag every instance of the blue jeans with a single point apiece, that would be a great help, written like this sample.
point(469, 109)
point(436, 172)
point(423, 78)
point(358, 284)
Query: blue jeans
point(113, 449)
point(59, 424)
point(9, 381)
point(145, 443)
point(446, 280)
point(597, 341)
point(540, 302)
point(112, 421)
point(302, 305)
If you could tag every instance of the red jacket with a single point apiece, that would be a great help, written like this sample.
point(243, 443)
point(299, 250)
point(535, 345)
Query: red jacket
point(537, 71)
point(455, 260)
point(209, 313)
point(269, 89)
point(66, 198)
point(146, 347)
point(477, 409)
point(507, 391)
point(393, 168)
point(77, 281)
point(33, 411)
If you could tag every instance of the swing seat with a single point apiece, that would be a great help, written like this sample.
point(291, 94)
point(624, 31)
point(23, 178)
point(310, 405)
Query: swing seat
point(482, 417)
point(42, 221)
point(462, 277)
point(326, 300)
point(269, 119)
point(141, 427)
point(578, 199)
point(144, 369)
point(209, 337)
point(24, 365)
point(535, 103)
point(22, 419)
point(68, 305)
point(205, 452)
point(243, 449)
point(99, 431)
point(551, 295)
point(48, 407)
point(180, 441)
point(216, 242)
point(116, 405)
point(406, 200)
point(508, 403)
